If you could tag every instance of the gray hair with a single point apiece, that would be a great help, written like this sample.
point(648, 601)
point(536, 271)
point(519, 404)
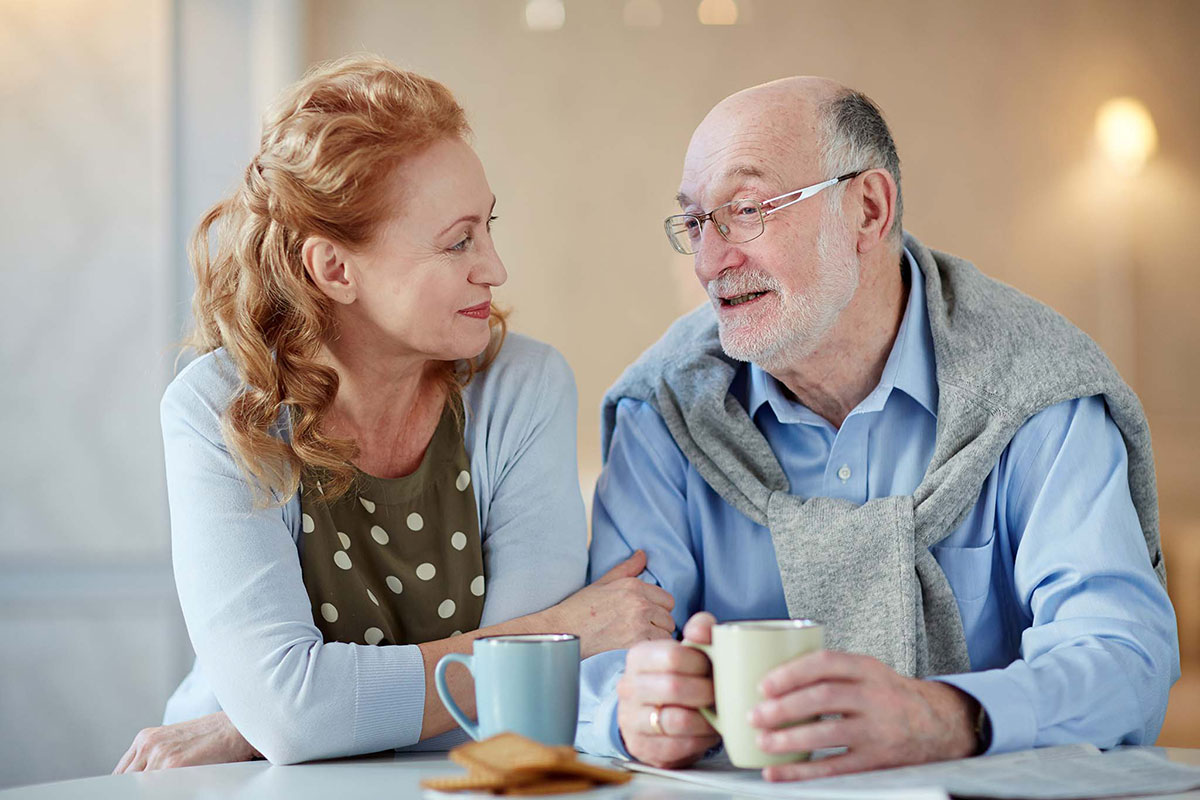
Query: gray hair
point(856, 137)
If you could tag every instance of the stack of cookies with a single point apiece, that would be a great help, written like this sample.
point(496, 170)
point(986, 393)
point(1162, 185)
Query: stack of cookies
point(511, 764)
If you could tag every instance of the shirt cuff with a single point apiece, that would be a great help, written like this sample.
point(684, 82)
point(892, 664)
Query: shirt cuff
point(598, 732)
point(1011, 714)
point(390, 699)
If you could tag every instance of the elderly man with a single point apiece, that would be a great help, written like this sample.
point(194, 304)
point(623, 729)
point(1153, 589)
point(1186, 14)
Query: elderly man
point(870, 433)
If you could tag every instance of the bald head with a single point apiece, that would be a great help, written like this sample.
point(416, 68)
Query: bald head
point(797, 131)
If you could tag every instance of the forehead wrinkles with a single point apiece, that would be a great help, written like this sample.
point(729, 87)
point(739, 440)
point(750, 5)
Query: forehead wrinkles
point(709, 160)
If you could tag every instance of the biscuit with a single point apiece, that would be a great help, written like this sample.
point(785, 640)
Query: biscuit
point(505, 753)
point(553, 786)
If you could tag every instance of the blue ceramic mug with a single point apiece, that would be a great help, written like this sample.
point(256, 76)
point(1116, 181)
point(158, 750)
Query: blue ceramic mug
point(526, 683)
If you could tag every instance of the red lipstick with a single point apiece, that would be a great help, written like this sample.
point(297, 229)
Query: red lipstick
point(480, 311)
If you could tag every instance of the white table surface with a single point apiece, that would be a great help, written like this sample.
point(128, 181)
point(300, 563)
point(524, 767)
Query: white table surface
point(392, 776)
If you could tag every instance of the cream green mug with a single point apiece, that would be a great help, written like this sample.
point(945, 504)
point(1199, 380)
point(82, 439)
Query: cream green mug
point(742, 653)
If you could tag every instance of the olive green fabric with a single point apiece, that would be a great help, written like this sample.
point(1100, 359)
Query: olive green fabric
point(399, 560)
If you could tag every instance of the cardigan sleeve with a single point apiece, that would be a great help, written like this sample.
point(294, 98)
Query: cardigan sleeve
point(534, 530)
point(293, 696)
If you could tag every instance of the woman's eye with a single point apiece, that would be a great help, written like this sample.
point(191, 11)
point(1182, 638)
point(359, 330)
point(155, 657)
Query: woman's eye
point(462, 245)
point(491, 219)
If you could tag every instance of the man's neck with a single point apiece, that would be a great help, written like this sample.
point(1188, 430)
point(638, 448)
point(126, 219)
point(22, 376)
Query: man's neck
point(846, 367)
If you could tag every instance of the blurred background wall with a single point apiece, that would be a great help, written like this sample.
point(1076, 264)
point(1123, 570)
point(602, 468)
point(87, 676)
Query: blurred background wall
point(122, 120)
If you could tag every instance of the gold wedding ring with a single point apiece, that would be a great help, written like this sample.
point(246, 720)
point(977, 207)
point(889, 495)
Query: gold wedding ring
point(656, 720)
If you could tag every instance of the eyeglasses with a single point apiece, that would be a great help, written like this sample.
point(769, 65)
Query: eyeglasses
point(738, 221)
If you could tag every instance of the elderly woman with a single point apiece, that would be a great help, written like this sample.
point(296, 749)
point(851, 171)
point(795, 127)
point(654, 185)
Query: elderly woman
point(365, 473)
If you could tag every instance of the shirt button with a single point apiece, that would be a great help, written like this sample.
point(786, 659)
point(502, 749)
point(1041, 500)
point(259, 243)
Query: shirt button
point(844, 473)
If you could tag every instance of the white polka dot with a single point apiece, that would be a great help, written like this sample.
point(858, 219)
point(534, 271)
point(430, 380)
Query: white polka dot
point(464, 480)
point(329, 612)
point(457, 633)
point(344, 539)
point(373, 636)
point(415, 523)
point(379, 534)
point(426, 571)
point(446, 609)
point(394, 584)
point(477, 586)
point(341, 559)
point(371, 595)
point(367, 504)
point(307, 523)
point(459, 540)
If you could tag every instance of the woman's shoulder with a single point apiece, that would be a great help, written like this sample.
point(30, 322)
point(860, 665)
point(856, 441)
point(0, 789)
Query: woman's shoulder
point(526, 375)
point(202, 390)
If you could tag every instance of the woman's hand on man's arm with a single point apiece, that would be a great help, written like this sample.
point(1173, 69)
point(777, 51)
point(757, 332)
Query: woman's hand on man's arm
point(614, 613)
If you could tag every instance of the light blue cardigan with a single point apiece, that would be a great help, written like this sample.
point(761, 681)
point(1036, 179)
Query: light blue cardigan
point(259, 656)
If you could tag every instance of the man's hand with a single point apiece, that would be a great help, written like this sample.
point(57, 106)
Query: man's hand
point(886, 720)
point(211, 739)
point(675, 680)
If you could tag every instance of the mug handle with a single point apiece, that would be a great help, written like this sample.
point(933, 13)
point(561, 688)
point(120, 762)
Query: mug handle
point(709, 714)
point(439, 679)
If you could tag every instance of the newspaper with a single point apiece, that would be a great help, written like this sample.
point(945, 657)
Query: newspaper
point(1051, 773)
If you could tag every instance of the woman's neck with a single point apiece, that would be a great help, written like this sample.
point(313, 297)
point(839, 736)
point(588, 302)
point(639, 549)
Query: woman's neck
point(388, 405)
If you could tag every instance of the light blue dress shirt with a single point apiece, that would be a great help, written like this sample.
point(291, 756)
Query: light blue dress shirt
point(1070, 635)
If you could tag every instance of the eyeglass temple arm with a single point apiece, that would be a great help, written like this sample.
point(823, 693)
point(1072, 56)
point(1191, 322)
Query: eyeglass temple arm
point(808, 191)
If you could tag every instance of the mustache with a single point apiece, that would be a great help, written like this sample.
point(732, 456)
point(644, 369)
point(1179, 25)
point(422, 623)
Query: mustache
point(739, 282)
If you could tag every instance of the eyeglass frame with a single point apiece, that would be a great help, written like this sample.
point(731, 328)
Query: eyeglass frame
point(805, 193)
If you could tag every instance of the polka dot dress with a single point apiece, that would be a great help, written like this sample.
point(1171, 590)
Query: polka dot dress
point(397, 561)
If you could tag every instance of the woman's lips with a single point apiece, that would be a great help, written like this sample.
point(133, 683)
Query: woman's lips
point(481, 311)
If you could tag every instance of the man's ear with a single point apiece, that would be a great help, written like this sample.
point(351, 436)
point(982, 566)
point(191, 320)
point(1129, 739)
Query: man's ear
point(878, 209)
point(325, 263)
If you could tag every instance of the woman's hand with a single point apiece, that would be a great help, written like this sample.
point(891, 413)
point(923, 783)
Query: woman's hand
point(211, 739)
point(617, 611)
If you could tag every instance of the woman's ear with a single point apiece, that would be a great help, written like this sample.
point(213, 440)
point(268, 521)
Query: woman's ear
point(325, 263)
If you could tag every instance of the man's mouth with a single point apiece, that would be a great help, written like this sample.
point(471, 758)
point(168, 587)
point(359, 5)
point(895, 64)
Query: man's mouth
point(741, 298)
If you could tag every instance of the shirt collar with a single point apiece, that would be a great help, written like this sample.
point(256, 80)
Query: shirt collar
point(910, 367)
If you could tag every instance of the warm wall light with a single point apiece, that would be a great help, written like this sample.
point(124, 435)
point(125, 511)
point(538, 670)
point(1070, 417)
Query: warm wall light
point(545, 15)
point(1126, 133)
point(642, 13)
point(718, 12)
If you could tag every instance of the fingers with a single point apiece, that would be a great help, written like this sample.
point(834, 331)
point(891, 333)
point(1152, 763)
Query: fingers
point(816, 735)
point(827, 697)
point(661, 618)
point(699, 628)
point(629, 568)
point(824, 665)
point(658, 595)
point(669, 752)
point(674, 721)
point(125, 761)
point(659, 688)
point(669, 657)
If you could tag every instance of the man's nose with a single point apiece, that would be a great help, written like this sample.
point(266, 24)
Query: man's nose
point(715, 254)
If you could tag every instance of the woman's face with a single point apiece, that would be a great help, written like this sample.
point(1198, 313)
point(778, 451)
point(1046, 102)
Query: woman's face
point(423, 286)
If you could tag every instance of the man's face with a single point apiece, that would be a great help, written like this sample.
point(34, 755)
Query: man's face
point(777, 296)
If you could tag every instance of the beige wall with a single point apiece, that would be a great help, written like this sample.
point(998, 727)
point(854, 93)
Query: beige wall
point(582, 132)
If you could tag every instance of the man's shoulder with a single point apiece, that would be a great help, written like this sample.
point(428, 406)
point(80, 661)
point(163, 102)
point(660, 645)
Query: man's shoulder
point(1002, 345)
point(692, 336)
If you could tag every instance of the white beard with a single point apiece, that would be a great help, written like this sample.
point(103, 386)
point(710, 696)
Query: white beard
point(780, 339)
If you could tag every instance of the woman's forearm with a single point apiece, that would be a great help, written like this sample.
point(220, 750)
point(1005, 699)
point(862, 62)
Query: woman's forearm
point(436, 719)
